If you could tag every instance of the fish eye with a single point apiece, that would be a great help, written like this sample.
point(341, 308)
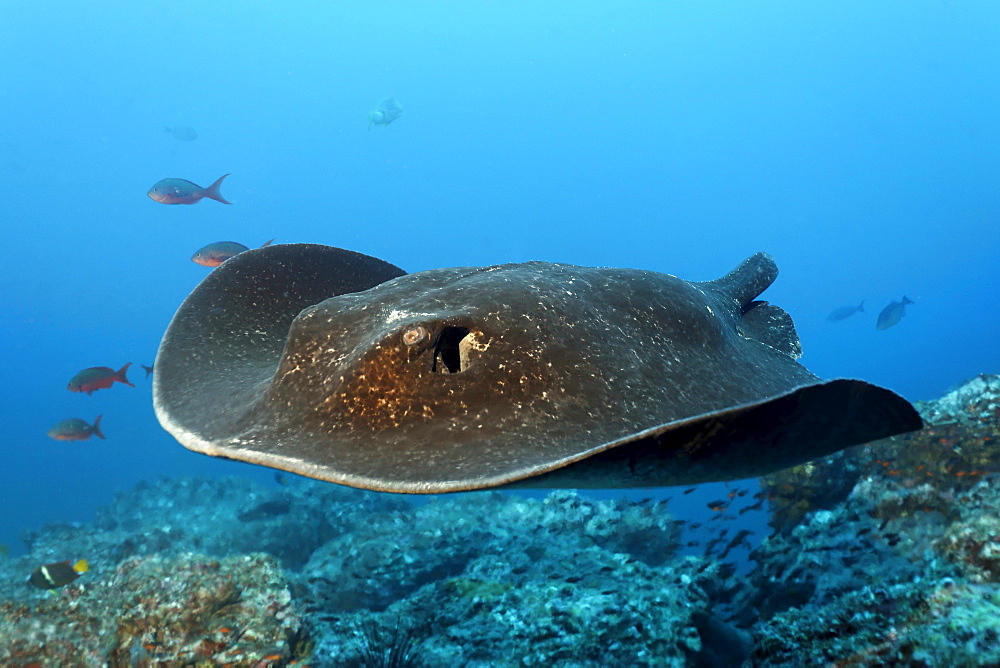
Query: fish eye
point(415, 335)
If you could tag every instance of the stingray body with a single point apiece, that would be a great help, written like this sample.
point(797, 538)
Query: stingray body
point(339, 366)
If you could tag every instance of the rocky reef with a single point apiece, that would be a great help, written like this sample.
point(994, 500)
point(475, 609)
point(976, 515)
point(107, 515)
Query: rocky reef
point(888, 553)
point(185, 609)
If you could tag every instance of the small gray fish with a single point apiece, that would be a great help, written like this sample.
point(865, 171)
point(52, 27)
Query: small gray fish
point(845, 312)
point(892, 314)
point(182, 133)
point(386, 112)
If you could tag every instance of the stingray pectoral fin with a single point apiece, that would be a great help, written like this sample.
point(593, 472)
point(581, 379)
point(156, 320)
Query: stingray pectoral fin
point(743, 441)
point(239, 318)
point(772, 326)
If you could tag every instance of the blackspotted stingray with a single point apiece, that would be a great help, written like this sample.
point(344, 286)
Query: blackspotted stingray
point(342, 367)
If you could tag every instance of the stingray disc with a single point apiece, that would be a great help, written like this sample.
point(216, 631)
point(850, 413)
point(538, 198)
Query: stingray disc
point(340, 366)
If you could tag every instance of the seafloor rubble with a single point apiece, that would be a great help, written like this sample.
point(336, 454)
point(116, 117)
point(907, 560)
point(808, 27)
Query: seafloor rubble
point(887, 553)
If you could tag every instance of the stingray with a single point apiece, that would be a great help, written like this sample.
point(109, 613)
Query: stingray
point(339, 366)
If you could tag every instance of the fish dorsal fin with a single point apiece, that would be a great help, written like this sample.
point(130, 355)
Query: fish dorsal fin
point(772, 326)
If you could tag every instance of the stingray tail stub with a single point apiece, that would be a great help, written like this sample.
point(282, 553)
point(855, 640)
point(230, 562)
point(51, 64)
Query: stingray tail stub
point(749, 279)
point(766, 323)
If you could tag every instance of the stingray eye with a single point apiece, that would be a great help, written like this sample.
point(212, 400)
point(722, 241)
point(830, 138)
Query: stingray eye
point(415, 335)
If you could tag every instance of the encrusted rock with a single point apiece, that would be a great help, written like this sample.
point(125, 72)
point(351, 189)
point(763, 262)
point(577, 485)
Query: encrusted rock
point(159, 610)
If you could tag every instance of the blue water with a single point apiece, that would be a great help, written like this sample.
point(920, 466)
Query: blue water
point(858, 143)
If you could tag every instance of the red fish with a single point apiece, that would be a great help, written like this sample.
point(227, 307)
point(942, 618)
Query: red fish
point(216, 253)
point(75, 429)
point(98, 378)
point(182, 191)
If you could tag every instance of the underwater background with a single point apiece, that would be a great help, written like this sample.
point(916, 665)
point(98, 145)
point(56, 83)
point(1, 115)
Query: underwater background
point(857, 143)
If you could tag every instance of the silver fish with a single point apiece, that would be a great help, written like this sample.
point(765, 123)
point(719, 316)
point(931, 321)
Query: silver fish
point(182, 133)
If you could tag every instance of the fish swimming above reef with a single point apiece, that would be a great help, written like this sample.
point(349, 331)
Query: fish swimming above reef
point(892, 314)
point(59, 574)
point(98, 378)
point(182, 132)
point(385, 113)
point(75, 429)
point(181, 191)
point(218, 252)
point(340, 366)
point(845, 312)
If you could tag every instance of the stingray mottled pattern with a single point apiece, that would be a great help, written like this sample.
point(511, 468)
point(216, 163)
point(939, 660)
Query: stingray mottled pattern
point(339, 366)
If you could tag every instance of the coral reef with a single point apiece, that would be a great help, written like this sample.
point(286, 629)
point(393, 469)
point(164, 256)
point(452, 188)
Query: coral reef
point(157, 610)
point(955, 450)
point(886, 554)
point(905, 568)
point(490, 579)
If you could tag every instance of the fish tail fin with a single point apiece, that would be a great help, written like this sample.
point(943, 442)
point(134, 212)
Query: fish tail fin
point(268, 242)
point(147, 369)
point(214, 192)
point(120, 375)
point(906, 300)
point(81, 566)
point(97, 428)
point(861, 307)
